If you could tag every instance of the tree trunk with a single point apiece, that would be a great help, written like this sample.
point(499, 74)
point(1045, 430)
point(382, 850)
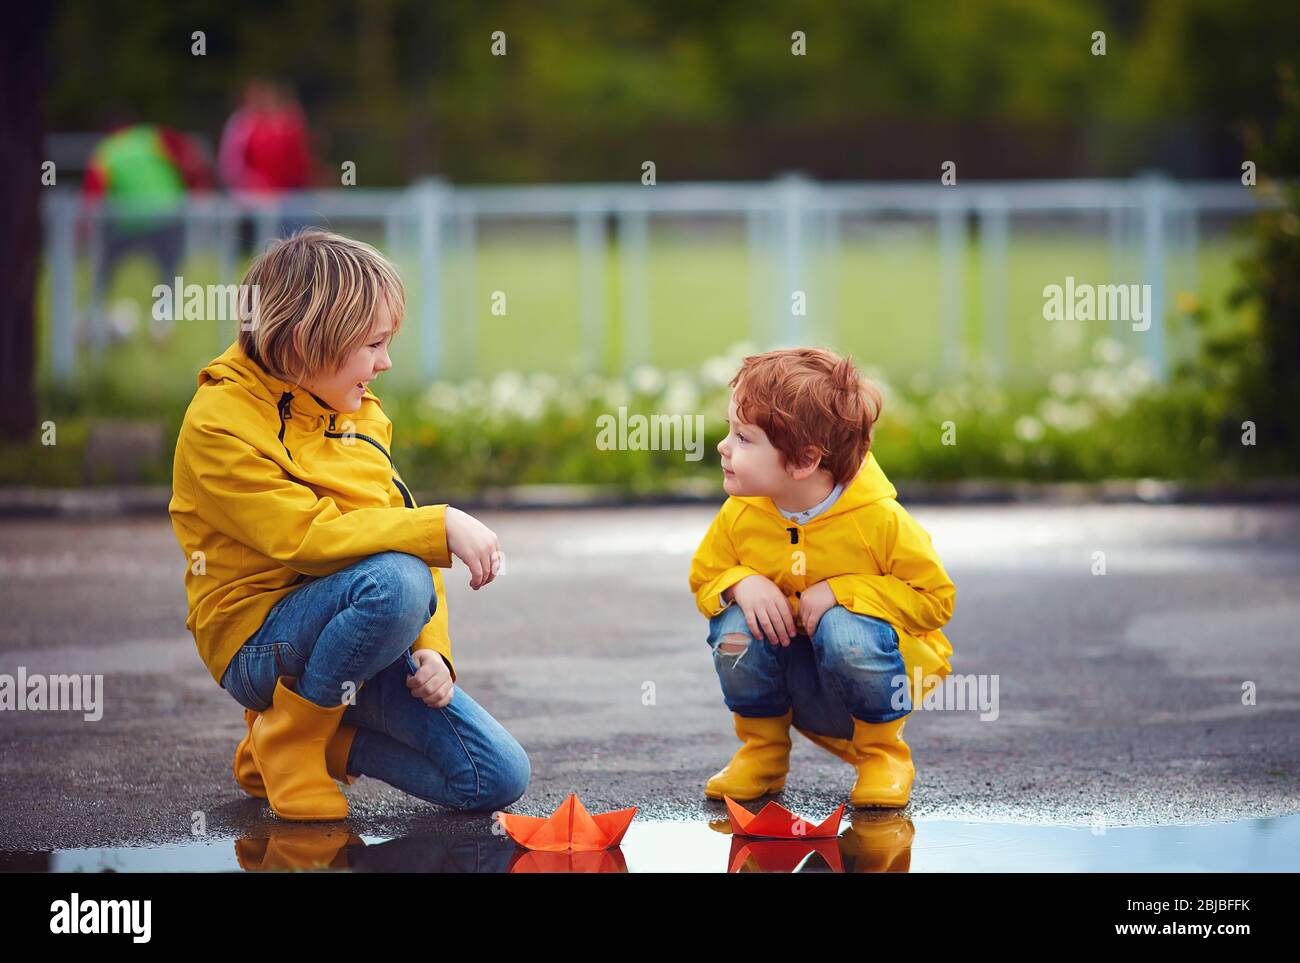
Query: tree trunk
point(22, 88)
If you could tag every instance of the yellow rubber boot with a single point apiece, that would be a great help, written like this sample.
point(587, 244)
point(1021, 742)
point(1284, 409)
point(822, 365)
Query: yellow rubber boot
point(885, 773)
point(246, 774)
point(336, 758)
point(336, 754)
point(759, 766)
point(288, 748)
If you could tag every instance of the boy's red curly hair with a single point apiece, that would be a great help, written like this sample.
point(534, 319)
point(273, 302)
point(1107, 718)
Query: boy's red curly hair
point(806, 400)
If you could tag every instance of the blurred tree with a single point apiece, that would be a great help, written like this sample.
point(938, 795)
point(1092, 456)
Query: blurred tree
point(1246, 372)
point(1267, 389)
point(405, 88)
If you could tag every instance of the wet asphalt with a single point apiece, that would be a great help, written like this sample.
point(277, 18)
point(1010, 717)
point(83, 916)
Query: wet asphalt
point(1120, 695)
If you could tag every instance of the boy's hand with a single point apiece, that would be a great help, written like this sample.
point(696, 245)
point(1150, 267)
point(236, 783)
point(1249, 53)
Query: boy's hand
point(766, 609)
point(474, 544)
point(814, 602)
point(432, 683)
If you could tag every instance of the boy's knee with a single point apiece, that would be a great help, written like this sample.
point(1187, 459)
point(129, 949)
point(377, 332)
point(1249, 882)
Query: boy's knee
point(503, 784)
point(834, 621)
point(404, 583)
point(730, 622)
point(839, 623)
point(846, 640)
point(508, 790)
point(842, 633)
point(734, 643)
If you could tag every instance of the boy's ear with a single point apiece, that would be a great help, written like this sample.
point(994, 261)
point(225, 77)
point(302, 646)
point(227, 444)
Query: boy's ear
point(812, 460)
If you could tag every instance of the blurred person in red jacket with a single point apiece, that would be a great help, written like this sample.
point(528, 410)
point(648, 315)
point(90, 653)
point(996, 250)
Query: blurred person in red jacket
point(265, 151)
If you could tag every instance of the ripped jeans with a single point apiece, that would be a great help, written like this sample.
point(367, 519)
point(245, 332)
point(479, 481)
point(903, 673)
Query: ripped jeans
point(356, 626)
point(850, 669)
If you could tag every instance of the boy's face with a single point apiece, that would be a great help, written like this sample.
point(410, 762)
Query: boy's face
point(750, 465)
point(343, 390)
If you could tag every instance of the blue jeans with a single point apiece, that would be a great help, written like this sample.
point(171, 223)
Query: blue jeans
point(357, 626)
point(850, 669)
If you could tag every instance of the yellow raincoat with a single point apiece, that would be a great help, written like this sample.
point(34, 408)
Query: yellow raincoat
point(874, 556)
point(270, 486)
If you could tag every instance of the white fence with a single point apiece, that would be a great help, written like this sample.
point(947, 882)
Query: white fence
point(786, 224)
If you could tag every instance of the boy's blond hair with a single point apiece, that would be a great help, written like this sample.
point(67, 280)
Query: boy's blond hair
point(327, 285)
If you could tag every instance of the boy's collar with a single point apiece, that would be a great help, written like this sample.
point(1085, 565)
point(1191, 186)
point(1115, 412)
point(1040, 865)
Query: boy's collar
point(868, 486)
point(303, 400)
point(808, 513)
point(235, 364)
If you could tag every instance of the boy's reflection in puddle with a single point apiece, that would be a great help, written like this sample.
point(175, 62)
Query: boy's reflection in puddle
point(870, 844)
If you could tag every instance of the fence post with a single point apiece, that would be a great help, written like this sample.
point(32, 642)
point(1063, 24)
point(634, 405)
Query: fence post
point(1192, 239)
point(268, 226)
point(793, 187)
point(1189, 238)
point(96, 328)
point(830, 274)
point(1117, 222)
point(760, 268)
point(592, 282)
point(430, 201)
point(1155, 199)
point(61, 214)
point(226, 216)
point(395, 234)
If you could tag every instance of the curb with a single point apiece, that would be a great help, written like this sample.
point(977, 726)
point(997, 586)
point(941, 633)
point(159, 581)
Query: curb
point(130, 500)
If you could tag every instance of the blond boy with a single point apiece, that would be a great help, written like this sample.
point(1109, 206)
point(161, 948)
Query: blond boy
point(312, 575)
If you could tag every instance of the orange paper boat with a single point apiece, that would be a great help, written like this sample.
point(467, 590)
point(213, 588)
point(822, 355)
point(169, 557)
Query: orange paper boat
point(570, 827)
point(774, 821)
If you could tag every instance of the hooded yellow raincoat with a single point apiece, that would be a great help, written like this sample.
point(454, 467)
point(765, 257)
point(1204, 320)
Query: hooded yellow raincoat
point(271, 486)
point(874, 556)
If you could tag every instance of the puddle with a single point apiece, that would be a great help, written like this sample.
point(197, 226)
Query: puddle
point(872, 843)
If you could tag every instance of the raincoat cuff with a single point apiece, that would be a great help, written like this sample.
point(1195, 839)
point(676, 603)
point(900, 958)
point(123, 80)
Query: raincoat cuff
point(842, 589)
point(433, 647)
point(436, 552)
point(713, 602)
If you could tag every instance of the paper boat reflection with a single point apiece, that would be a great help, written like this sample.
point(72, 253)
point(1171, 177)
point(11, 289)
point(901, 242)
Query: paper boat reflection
point(569, 828)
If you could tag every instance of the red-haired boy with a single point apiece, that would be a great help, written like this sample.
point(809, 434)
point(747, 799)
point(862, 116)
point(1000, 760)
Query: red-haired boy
point(824, 596)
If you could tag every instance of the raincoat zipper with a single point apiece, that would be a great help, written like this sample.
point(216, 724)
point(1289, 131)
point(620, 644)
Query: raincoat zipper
point(285, 400)
point(406, 495)
point(285, 413)
point(794, 540)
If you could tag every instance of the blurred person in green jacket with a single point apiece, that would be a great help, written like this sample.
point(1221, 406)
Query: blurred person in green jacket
point(143, 172)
